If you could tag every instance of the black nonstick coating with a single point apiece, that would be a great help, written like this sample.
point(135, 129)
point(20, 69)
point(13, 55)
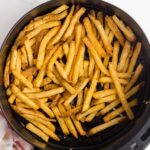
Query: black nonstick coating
point(112, 138)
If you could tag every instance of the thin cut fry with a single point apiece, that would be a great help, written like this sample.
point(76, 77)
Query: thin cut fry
point(120, 92)
point(60, 9)
point(105, 126)
point(7, 73)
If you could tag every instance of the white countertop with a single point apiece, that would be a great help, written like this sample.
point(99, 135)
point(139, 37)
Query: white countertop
point(12, 10)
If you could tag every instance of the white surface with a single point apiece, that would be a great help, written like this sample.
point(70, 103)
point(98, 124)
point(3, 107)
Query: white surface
point(12, 10)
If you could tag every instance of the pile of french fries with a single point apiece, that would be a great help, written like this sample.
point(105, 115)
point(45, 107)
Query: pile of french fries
point(56, 64)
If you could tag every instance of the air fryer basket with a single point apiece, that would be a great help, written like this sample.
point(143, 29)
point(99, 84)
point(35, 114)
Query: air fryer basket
point(127, 135)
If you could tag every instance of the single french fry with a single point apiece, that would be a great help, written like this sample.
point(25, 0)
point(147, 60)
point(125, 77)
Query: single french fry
point(22, 79)
point(39, 78)
point(60, 9)
point(91, 66)
point(115, 54)
point(93, 52)
point(105, 126)
point(88, 98)
point(61, 70)
point(68, 121)
point(89, 111)
point(124, 75)
point(134, 57)
point(104, 93)
point(128, 33)
point(109, 80)
point(79, 86)
point(78, 126)
point(53, 59)
point(78, 36)
point(60, 120)
point(24, 58)
point(66, 49)
point(29, 71)
point(134, 78)
point(77, 61)
point(47, 110)
point(44, 94)
point(42, 48)
point(80, 99)
point(115, 30)
point(12, 98)
point(8, 91)
point(37, 131)
point(100, 17)
point(13, 58)
point(106, 99)
point(23, 97)
point(120, 92)
point(118, 111)
point(91, 36)
point(74, 20)
point(85, 68)
point(50, 86)
point(91, 116)
point(70, 57)
point(29, 52)
point(71, 111)
point(103, 35)
point(7, 73)
point(55, 100)
point(124, 55)
point(37, 30)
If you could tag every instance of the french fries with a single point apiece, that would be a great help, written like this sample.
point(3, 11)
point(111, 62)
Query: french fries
point(69, 67)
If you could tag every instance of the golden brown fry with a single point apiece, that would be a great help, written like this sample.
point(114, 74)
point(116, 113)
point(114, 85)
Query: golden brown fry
point(46, 81)
point(128, 33)
point(104, 93)
point(70, 57)
point(80, 99)
point(53, 59)
point(77, 61)
point(50, 86)
point(89, 111)
point(55, 101)
point(134, 78)
point(115, 54)
point(91, 66)
point(8, 91)
point(7, 73)
point(24, 59)
point(53, 78)
point(93, 52)
point(42, 48)
point(105, 126)
point(85, 68)
point(13, 58)
point(100, 17)
point(37, 131)
point(74, 20)
point(12, 98)
point(22, 79)
point(125, 53)
point(90, 117)
point(66, 49)
point(115, 30)
point(29, 52)
point(120, 92)
point(88, 98)
point(106, 99)
point(60, 9)
point(109, 80)
point(90, 34)
point(118, 111)
point(134, 57)
point(23, 97)
point(44, 94)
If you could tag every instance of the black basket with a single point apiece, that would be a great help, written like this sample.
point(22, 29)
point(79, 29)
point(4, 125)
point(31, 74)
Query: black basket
point(127, 135)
